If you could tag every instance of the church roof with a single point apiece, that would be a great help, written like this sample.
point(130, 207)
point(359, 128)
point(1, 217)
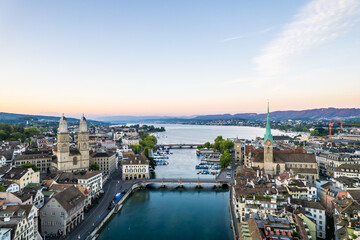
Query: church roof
point(283, 157)
point(295, 157)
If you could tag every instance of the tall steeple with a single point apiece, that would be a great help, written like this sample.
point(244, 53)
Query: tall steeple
point(268, 127)
point(83, 144)
point(83, 125)
point(63, 126)
point(268, 148)
point(63, 144)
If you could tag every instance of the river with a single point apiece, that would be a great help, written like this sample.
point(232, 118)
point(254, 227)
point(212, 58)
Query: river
point(172, 214)
point(179, 214)
point(182, 162)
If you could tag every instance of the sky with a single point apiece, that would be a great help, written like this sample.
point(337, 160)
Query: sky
point(178, 57)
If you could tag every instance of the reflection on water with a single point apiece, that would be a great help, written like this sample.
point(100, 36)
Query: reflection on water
point(178, 214)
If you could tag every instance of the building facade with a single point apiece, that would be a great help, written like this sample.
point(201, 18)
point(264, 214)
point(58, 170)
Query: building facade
point(67, 158)
point(41, 161)
point(135, 167)
point(22, 176)
point(63, 212)
point(105, 160)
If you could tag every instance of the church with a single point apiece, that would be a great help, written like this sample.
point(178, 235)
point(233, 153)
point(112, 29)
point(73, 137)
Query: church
point(274, 163)
point(70, 159)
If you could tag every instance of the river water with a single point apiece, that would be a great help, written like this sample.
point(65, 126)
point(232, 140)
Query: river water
point(179, 214)
point(182, 162)
point(172, 214)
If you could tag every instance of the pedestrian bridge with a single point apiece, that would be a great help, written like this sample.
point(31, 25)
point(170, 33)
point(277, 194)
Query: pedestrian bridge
point(182, 182)
point(178, 145)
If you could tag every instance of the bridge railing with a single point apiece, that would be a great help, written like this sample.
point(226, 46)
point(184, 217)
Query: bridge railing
point(183, 180)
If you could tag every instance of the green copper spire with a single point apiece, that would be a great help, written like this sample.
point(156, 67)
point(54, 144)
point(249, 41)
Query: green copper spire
point(268, 127)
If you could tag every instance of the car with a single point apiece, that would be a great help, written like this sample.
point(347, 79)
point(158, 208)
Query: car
point(229, 167)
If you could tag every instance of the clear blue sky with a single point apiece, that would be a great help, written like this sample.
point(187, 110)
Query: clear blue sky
point(178, 57)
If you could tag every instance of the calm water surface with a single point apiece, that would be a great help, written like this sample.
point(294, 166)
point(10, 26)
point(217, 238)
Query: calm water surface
point(172, 214)
point(179, 214)
point(178, 133)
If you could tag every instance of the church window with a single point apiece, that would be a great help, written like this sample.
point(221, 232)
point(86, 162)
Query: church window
point(278, 169)
point(268, 149)
point(75, 161)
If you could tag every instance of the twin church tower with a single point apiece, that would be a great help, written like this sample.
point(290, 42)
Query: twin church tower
point(68, 158)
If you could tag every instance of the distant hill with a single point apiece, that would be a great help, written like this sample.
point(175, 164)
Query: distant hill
point(311, 114)
point(15, 118)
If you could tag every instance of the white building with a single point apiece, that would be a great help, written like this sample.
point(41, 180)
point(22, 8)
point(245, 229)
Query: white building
point(129, 140)
point(91, 180)
point(134, 166)
point(10, 186)
point(315, 211)
point(5, 233)
point(347, 170)
point(2, 160)
point(22, 219)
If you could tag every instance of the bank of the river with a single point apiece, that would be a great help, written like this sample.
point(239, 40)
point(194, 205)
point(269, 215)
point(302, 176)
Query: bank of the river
point(172, 214)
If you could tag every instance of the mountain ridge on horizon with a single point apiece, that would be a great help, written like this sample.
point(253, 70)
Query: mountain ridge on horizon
point(310, 114)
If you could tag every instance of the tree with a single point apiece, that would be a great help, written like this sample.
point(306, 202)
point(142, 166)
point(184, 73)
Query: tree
point(217, 142)
point(2, 188)
point(94, 167)
point(226, 145)
point(31, 131)
point(16, 136)
point(136, 148)
point(207, 145)
point(147, 152)
point(29, 165)
point(42, 130)
point(225, 159)
point(3, 134)
point(150, 141)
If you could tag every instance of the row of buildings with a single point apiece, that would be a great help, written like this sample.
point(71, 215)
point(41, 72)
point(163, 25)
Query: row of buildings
point(53, 206)
point(51, 201)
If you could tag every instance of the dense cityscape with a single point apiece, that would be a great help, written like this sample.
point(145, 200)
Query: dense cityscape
point(197, 119)
point(54, 182)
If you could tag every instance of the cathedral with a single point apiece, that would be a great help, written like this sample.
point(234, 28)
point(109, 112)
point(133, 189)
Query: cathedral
point(276, 162)
point(68, 158)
